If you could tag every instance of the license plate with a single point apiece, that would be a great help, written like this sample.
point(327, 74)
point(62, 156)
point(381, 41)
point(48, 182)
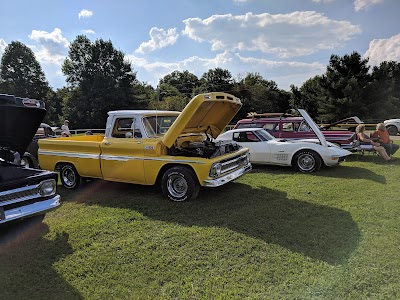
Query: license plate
point(2, 215)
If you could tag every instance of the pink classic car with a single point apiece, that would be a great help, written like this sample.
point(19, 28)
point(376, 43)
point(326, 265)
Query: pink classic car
point(290, 127)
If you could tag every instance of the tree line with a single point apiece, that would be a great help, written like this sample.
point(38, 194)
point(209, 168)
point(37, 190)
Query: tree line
point(100, 79)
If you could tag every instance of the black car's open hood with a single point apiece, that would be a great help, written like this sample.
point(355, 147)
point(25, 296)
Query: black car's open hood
point(19, 120)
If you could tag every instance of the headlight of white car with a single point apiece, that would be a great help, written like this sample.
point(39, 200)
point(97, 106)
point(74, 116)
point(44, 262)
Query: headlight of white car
point(215, 170)
point(47, 188)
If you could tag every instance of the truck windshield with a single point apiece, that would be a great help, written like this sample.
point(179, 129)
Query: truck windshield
point(158, 125)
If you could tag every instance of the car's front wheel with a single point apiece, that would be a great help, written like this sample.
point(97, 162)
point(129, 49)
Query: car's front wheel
point(69, 177)
point(307, 161)
point(180, 184)
point(392, 130)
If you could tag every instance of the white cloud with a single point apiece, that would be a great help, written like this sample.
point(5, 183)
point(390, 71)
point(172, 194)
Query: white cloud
point(365, 4)
point(85, 14)
point(284, 35)
point(384, 50)
point(159, 38)
point(3, 45)
point(88, 31)
point(283, 72)
point(53, 47)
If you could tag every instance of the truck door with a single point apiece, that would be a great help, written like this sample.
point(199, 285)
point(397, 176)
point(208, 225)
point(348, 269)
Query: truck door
point(122, 156)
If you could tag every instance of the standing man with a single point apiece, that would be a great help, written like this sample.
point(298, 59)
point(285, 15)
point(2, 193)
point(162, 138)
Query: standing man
point(65, 128)
point(382, 136)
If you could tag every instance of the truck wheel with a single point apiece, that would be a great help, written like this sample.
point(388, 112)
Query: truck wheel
point(69, 177)
point(307, 161)
point(180, 184)
point(392, 130)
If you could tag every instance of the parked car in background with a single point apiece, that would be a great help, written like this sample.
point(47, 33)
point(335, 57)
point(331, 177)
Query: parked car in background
point(289, 127)
point(392, 126)
point(23, 192)
point(304, 155)
point(30, 157)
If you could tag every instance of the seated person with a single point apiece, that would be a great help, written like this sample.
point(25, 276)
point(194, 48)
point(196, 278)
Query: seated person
point(381, 135)
point(365, 140)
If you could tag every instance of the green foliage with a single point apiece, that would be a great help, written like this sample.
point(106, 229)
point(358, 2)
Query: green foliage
point(21, 74)
point(260, 95)
point(216, 80)
point(308, 96)
point(385, 90)
point(346, 85)
point(272, 234)
point(100, 80)
point(185, 82)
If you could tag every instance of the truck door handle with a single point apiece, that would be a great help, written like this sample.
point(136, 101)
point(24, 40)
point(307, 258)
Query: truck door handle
point(107, 143)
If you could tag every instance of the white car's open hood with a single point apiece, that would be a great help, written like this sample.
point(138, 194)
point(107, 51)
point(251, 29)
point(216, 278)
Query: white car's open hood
point(314, 127)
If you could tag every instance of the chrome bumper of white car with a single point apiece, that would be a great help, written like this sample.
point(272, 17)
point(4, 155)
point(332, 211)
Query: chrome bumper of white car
point(30, 210)
point(227, 178)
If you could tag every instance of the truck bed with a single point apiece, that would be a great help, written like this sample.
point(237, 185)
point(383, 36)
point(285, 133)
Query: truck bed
point(71, 149)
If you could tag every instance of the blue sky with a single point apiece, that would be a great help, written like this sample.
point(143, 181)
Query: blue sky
point(287, 41)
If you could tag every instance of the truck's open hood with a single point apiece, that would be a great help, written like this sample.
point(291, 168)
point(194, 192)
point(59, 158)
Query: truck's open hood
point(19, 120)
point(209, 113)
point(314, 127)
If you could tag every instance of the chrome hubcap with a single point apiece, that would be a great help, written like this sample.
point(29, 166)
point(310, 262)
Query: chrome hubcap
point(306, 162)
point(68, 177)
point(177, 186)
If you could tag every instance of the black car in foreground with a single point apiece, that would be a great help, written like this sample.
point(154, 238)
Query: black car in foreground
point(24, 192)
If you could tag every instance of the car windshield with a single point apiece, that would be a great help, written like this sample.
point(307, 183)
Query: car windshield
point(264, 135)
point(158, 125)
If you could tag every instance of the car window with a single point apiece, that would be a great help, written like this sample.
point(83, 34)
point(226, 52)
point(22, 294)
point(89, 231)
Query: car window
point(158, 125)
point(304, 126)
point(270, 126)
point(249, 125)
point(245, 136)
point(288, 126)
point(123, 128)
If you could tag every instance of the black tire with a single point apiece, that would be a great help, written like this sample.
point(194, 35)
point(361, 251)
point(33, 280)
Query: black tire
point(180, 184)
point(392, 130)
point(69, 177)
point(307, 161)
point(26, 162)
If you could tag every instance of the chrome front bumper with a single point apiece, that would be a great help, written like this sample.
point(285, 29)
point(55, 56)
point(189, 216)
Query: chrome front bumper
point(227, 178)
point(30, 210)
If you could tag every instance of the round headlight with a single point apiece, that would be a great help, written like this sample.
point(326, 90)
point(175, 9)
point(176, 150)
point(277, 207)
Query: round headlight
point(47, 188)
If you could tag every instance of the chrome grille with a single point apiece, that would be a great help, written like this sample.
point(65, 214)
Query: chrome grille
point(20, 194)
point(234, 163)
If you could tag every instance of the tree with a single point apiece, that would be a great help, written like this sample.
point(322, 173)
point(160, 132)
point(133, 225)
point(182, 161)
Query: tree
point(308, 96)
point(185, 82)
point(216, 80)
point(100, 80)
point(21, 74)
point(260, 95)
point(385, 90)
point(346, 85)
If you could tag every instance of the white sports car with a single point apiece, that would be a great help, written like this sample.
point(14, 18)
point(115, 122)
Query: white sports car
point(306, 155)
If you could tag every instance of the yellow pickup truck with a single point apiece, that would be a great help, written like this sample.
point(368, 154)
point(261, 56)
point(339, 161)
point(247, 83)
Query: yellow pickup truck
point(176, 150)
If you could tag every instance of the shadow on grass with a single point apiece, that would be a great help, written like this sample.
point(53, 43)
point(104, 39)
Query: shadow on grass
point(319, 232)
point(342, 171)
point(24, 252)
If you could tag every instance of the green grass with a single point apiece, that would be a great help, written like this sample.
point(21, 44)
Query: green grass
point(272, 234)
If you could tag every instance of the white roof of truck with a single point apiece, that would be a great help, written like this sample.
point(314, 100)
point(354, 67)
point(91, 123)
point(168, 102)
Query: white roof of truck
point(141, 112)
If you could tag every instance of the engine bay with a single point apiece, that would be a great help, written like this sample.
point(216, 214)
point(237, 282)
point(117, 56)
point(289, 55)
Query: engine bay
point(204, 149)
